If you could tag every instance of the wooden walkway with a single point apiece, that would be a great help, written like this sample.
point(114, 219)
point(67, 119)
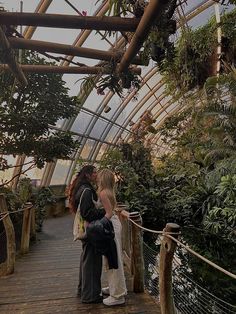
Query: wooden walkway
point(45, 279)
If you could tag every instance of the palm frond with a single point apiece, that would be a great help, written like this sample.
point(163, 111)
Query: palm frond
point(218, 154)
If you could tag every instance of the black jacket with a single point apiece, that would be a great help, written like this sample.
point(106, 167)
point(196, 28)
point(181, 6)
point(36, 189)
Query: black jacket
point(88, 211)
point(100, 234)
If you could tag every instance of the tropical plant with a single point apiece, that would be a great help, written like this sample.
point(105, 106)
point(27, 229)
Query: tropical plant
point(28, 115)
point(114, 82)
point(222, 220)
point(24, 190)
point(195, 55)
point(123, 7)
point(43, 197)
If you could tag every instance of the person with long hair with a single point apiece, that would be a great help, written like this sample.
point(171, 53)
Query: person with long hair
point(83, 198)
point(116, 278)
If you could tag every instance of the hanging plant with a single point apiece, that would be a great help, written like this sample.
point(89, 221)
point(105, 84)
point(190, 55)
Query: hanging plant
point(158, 44)
point(196, 55)
point(123, 7)
point(114, 81)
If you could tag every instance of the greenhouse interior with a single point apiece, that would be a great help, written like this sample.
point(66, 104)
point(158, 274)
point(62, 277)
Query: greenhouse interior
point(118, 119)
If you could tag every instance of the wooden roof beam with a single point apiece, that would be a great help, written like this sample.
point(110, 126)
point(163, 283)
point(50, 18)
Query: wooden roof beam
point(107, 23)
point(43, 46)
point(142, 31)
point(28, 68)
point(9, 58)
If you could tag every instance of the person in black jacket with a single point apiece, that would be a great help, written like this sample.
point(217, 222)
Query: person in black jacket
point(101, 235)
point(82, 193)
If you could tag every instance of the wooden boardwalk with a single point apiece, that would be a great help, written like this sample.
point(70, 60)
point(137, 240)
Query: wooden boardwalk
point(45, 279)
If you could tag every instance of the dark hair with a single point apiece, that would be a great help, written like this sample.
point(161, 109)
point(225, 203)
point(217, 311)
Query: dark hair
point(80, 179)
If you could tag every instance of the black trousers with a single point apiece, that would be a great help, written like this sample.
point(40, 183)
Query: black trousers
point(90, 274)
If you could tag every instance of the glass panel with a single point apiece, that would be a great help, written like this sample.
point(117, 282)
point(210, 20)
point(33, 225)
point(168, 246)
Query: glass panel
point(101, 151)
point(7, 174)
point(114, 105)
point(171, 107)
point(99, 128)
point(60, 172)
point(154, 80)
point(34, 174)
point(112, 131)
point(14, 5)
point(81, 122)
point(202, 18)
point(87, 149)
point(93, 101)
point(95, 41)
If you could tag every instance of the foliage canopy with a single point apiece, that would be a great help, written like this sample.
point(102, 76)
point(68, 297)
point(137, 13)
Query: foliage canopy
point(28, 115)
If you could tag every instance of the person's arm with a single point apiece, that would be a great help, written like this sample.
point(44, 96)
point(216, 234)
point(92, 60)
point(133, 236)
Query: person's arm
point(88, 211)
point(106, 204)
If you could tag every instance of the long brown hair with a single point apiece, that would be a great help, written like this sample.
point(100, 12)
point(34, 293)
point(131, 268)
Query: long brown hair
point(106, 182)
point(80, 179)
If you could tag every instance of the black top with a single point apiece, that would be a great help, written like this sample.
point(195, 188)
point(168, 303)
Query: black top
point(88, 211)
point(100, 234)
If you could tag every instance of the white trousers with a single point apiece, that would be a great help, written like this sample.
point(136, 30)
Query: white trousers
point(116, 277)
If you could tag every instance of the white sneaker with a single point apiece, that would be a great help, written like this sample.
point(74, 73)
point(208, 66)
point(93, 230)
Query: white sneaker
point(105, 291)
point(110, 301)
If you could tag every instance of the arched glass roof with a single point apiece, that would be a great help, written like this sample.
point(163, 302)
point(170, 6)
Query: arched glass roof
point(104, 120)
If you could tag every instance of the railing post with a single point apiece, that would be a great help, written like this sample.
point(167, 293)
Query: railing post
point(33, 225)
point(123, 215)
point(25, 235)
point(137, 262)
point(165, 270)
point(7, 267)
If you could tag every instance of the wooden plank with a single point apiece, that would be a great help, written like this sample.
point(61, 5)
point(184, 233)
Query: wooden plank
point(45, 280)
point(135, 304)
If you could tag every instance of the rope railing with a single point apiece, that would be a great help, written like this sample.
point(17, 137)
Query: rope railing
point(201, 298)
point(153, 231)
point(226, 272)
point(18, 210)
point(7, 213)
point(166, 280)
point(189, 296)
point(4, 216)
point(169, 234)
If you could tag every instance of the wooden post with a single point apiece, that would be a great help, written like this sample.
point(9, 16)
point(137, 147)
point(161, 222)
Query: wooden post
point(7, 267)
point(137, 262)
point(33, 225)
point(25, 235)
point(125, 236)
point(165, 271)
point(123, 215)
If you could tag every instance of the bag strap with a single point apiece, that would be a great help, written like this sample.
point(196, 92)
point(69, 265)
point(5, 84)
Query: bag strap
point(78, 208)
